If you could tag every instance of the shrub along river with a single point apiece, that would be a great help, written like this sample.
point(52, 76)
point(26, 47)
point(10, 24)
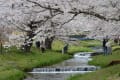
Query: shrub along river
point(76, 65)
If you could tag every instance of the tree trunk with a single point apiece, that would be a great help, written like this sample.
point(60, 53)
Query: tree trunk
point(27, 46)
point(48, 42)
point(1, 48)
point(28, 42)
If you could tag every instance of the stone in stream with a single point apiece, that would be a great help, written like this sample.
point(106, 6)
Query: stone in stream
point(85, 69)
point(57, 69)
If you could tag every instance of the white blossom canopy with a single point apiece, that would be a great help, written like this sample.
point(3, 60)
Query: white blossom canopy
point(101, 17)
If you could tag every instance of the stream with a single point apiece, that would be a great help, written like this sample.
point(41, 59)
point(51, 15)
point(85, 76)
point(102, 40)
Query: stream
point(62, 71)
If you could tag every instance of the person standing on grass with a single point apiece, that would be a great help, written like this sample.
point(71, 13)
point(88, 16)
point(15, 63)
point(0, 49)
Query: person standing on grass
point(65, 49)
point(37, 44)
point(104, 46)
point(109, 48)
point(42, 47)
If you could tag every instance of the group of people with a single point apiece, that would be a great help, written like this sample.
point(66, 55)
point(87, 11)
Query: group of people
point(107, 49)
point(40, 45)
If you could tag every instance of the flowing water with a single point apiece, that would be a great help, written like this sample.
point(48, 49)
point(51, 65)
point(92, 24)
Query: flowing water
point(77, 65)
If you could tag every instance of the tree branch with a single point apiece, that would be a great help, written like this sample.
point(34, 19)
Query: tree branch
point(20, 28)
point(89, 13)
point(55, 9)
point(47, 20)
point(97, 15)
point(69, 20)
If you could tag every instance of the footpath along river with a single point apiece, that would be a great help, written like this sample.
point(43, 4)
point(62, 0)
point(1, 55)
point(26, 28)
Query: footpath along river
point(61, 71)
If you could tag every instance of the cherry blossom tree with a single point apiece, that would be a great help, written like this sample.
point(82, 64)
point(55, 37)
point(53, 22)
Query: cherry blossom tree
point(49, 17)
point(105, 12)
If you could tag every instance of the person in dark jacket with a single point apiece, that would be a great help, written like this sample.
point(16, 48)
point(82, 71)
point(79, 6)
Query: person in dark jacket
point(42, 47)
point(104, 46)
point(65, 49)
point(37, 44)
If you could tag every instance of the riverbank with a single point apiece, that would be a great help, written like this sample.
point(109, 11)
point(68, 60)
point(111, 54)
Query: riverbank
point(108, 72)
point(14, 63)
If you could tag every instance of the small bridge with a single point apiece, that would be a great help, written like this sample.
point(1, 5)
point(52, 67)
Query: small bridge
point(69, 69)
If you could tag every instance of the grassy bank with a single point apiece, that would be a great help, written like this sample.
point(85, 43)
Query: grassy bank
point(83, 46)
point(103, 61)
point(11, 74)
point(110, 73)
point(15, 63)
point(107, 72)
point(90, 43)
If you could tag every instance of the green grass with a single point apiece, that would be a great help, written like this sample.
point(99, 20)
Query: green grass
point(90, 43)
point(74, 49)
point(103, 74)
point(25, 62)
point(103, 61)
point(83, 46)
point(107, 72)
point(115, 48)
point(58, 45)
point(11, 74)
point(15, 63)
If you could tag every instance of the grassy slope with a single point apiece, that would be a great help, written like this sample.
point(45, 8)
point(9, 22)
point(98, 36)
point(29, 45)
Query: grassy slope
point(27, 62)
point(110, 73)
point(11, 74)
point(90, 43)
point(103, 61)
point(14, 63)
point(106, 73)
point(83, 46)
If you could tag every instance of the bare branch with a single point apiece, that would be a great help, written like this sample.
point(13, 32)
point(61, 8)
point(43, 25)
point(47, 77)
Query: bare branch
point(20, 28)
point(69, 20)
point(48, 8)
point(79, 12)
point(89, 13)
point(43, 22)
point(114, 4)
point(97, 15)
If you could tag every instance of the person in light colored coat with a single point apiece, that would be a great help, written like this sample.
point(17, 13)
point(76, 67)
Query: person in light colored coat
point(109, 47)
